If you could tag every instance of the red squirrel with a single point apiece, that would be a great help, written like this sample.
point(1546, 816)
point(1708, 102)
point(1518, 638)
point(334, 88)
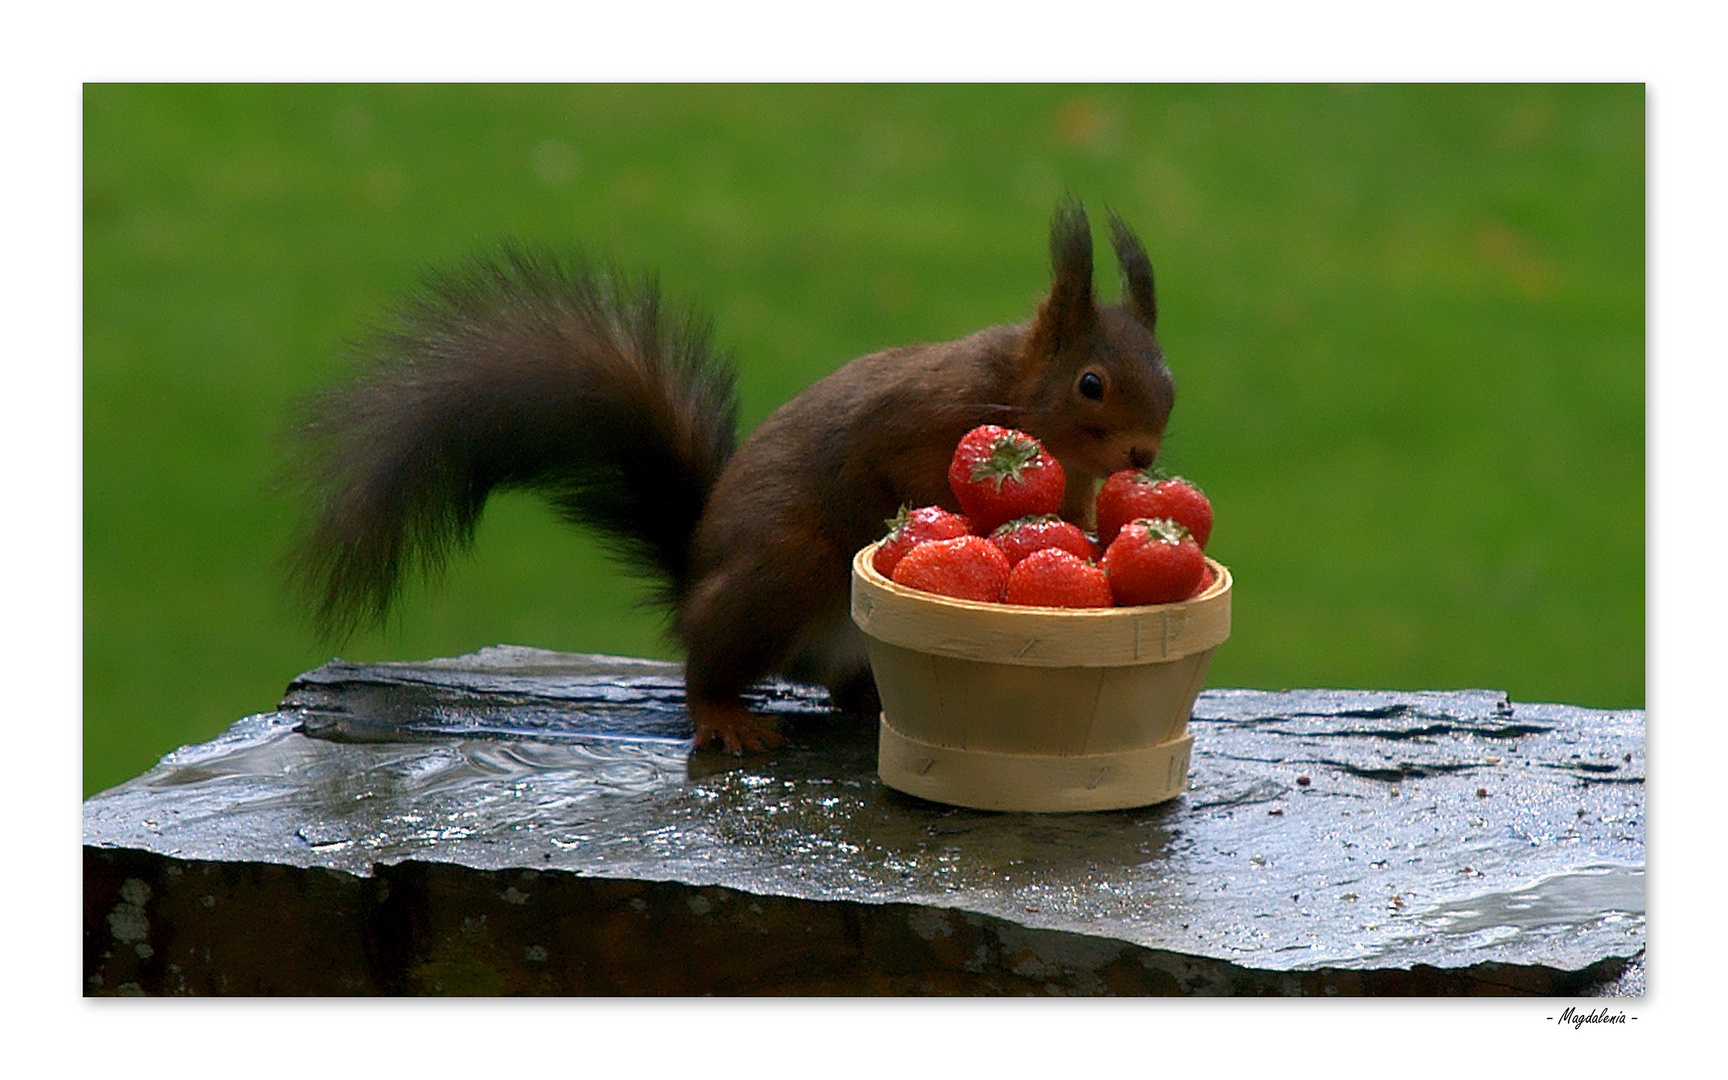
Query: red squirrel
point(525, 371)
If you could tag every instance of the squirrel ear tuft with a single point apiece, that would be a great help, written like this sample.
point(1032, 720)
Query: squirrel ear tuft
point(1137, 295)
point(1068, 311)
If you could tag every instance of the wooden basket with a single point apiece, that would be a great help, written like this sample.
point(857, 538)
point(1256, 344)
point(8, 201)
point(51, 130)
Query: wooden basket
point(1003, 707)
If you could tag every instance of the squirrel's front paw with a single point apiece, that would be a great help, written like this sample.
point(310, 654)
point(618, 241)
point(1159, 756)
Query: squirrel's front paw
point(733, 728)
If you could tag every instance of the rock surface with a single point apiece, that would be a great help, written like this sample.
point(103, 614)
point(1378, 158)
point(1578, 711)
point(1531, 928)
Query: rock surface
point(524, 822)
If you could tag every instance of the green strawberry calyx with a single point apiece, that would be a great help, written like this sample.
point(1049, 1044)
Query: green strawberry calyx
point(1009, 457)
point(1030, 519)
point(1153, 475)
point(899, 521)
point(1165, 530)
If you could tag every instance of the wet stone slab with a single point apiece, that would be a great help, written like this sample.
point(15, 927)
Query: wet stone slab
point(524, 822)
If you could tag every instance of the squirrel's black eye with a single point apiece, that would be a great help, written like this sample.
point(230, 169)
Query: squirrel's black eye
point(1092, 386)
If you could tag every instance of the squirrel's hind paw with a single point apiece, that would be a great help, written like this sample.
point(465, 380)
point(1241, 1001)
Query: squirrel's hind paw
point(733, 728)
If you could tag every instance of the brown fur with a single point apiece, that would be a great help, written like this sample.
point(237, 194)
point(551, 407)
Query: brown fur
point(759, 581)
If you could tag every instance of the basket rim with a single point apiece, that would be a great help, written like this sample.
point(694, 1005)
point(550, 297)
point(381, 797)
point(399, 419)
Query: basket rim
point(862, 566)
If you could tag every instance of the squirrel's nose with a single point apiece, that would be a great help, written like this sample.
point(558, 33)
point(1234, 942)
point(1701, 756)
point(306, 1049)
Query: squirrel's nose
point(1140, 457)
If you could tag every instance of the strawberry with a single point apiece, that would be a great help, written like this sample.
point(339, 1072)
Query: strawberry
point(909, 528)
point(1022, 536)
point(1130, 495)
point(1000, 474)
point(966, 567)
point(1052, 577)
point(1153, 561)
point(1206, 581)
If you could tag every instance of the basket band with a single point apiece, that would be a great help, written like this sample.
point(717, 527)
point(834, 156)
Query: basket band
point(995, 781)
point(1038, 637)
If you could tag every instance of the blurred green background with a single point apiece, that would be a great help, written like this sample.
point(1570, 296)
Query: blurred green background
point(1407, 326)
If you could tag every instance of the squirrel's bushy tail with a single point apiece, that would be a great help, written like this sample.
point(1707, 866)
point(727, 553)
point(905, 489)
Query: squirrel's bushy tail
point(520, 371)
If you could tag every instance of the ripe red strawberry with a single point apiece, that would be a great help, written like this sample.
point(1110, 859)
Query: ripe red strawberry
point(1051, 577)
point(909, 528)
point(1022, 536)
point(1000, 474)
point(1206, 581)
point(1153, 562)
point(1130, 495)
point(966, 567)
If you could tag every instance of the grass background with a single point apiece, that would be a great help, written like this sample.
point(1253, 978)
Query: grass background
point(1407, 324)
